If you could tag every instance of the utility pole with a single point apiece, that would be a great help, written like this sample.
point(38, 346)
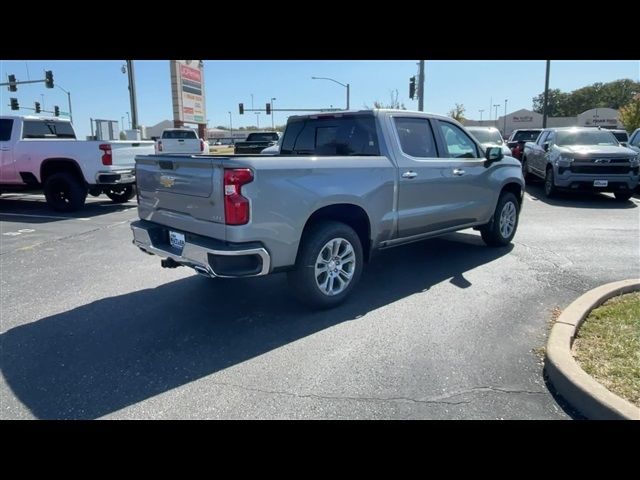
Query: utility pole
point(546, 95)
point(421, 87)
point(496, 105)
point(504, 130)
point(132, 94)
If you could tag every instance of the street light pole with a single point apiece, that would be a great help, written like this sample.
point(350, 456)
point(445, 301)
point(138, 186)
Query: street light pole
point(496, 105)
point(122, 122)
point(272, 123)
point(347, 86)
point(68, 100)
point(230, 124)
point(258, 120)
point(129, 118)
point(481, 114)
point(546, 95)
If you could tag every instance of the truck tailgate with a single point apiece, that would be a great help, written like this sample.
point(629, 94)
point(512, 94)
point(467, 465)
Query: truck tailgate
point(181, 145)
point(184, 192)
point(124, 152)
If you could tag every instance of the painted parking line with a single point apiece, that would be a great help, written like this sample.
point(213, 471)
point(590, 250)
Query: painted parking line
point(43, 216)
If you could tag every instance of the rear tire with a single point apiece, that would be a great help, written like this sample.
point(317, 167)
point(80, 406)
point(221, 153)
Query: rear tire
point(120, 194)
point(329, 265)
point(502, 228)
point(550, 189)
point(623, 196)
point(65, 192)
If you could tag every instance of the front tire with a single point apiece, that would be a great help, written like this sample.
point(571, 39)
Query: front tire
point(329, 265)
point(525, 170)
point(120, 194)
point(623, 196)
point(502, 228)
point(550, 189)
point(64, 192)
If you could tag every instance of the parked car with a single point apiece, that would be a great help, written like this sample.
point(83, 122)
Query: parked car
point(342, 187)
point(581, 158)
point(490, 137)
point(43, 153)
point(273, 149)
point(181, 140)
point(256, 142)
point(634, 140)
point(622, 136)
point(519, 137)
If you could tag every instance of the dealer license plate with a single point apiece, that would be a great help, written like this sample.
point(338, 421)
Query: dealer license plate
point(600, 183)
point(176, 239)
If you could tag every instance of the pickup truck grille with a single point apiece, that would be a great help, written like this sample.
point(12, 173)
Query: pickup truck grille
point(602, 168)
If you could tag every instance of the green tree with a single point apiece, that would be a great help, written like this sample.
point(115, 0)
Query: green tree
point(555, 105)
point(597, 95)
point(630, 114)
point(457, 113)
point(123, 136)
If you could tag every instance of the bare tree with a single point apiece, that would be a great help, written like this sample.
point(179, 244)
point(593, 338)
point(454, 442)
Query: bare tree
point(393, 104)
point(457, 113)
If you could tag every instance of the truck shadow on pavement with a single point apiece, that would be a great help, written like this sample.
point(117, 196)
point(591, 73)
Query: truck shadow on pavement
point(11, 209)
point(115, 352)
point(577, 199)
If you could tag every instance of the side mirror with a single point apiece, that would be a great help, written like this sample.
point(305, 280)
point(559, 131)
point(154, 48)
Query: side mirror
point(494, 154)
point(545, 146)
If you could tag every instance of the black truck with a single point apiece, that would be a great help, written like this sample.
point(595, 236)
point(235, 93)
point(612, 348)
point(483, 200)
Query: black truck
point(256, 142)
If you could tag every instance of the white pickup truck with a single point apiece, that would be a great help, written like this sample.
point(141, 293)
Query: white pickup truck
point(43, 153)
point(181, 140)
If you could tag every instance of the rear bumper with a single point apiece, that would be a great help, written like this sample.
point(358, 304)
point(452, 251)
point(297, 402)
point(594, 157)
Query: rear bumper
point(209, 257)
point(116, 177)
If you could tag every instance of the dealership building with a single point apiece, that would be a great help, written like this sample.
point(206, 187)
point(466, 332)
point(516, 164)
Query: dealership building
point(596, 117)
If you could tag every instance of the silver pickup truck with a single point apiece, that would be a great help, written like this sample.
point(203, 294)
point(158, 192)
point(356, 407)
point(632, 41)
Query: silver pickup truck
point(343, 186)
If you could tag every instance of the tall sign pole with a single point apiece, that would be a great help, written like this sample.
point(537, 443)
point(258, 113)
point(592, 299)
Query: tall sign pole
point(132, 94)
point(421, 87)
point(546, 96)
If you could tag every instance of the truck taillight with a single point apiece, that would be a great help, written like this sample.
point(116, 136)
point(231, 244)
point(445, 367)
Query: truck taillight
point(201, 145)
point(236, 207)
point(107, 158)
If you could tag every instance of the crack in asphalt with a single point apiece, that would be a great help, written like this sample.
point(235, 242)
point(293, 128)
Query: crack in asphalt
point(433, 400)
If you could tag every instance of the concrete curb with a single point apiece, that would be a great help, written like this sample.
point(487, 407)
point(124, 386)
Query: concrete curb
point(579, 388)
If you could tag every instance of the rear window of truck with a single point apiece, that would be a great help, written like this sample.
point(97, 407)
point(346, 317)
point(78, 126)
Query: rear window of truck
point(6, 125)
point(262, 137)
point(180, 134)
point(44, 129)
point(348, 135)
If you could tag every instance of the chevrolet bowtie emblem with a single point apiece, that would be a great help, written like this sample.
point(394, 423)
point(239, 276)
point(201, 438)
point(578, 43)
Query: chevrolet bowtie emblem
point(167, 181)
point(602, 160)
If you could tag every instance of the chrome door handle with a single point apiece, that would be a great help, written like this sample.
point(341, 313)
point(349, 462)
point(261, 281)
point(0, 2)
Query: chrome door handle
point(409, 174)
point(458, 172)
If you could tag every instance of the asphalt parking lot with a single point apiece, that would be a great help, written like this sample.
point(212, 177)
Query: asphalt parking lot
point(444, 329)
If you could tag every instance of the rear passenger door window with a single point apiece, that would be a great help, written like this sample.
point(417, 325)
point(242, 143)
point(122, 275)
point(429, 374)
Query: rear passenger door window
point(416, 137)
point(456, 142)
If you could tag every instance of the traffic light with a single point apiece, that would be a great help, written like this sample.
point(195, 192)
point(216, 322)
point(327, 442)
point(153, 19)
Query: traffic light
point(48, 79)
point(268, 109)
point(37, 107)
point(241, 108)
point(14, 104)
point(12, 83)
point(56, 111)
point(412, 87)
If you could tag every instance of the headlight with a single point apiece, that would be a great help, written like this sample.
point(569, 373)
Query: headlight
point(635, 161)
point(563, 161)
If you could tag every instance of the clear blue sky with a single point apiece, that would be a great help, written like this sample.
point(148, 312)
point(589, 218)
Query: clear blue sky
point(99, 88)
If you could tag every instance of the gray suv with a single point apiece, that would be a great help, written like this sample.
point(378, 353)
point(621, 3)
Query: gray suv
point(581, 158)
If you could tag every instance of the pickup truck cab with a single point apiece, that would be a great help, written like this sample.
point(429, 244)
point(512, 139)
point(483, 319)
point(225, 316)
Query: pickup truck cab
point(581, 158)
point(180, 140)
point(343, 186)
point(518, 139)
point(256, 142)
point(43, 153)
